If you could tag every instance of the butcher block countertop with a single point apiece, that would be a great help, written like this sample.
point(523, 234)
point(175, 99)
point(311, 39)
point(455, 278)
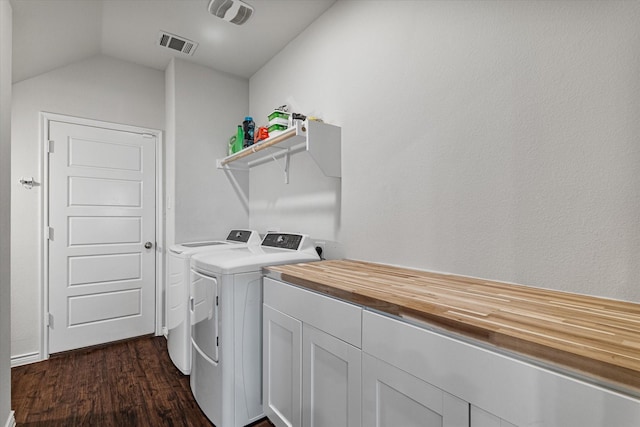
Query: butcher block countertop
point(593, 337)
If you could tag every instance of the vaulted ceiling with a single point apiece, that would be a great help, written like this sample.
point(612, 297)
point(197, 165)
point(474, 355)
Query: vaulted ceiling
point(48, 34)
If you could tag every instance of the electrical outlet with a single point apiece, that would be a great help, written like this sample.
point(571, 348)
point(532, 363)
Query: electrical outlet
point(321, 245)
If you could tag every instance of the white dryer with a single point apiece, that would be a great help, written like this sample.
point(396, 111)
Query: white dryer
point(178, 275)
point(226, 331)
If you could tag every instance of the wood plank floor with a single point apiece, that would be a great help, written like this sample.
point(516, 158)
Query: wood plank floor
point(130, 383)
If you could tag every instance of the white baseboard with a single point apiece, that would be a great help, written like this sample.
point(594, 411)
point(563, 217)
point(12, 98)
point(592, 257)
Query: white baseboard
point(25, 359)
point(11, 421)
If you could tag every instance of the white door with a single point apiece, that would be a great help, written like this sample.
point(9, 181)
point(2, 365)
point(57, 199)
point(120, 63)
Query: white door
point(394, 398)
point(101, 266)
point(331, 386)
point(282, 368)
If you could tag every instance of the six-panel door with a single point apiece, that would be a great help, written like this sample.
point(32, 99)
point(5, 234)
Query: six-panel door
point(101, 202)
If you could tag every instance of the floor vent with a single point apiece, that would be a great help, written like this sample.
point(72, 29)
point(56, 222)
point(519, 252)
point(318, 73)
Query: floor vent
point(177, 43)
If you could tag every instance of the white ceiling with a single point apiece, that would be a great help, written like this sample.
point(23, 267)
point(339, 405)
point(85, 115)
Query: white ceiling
point(48, 34)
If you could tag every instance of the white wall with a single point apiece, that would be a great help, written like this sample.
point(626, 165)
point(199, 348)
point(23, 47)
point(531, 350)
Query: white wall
point(100, 88)
point(6, 23)
point(492, 139)
point(170, 152)
point(207, 106)
point(309, 203)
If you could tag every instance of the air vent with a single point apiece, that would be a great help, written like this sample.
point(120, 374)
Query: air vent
point(235, 11)
point(177, 43)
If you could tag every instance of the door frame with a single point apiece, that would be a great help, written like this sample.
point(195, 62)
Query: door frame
point(45, 119)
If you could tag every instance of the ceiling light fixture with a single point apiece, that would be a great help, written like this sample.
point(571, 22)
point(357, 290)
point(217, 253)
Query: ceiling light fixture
point(235, 11)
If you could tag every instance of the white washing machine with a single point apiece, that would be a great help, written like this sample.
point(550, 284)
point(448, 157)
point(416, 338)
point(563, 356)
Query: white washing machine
point(178, 276)
point(226, 331)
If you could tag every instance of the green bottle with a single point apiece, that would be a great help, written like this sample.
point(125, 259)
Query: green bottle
point(237, 145)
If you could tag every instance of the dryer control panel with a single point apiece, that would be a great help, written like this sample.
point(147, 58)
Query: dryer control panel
point(283, 241)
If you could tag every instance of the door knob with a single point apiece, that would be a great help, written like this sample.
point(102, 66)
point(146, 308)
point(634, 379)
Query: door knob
point(148, 245)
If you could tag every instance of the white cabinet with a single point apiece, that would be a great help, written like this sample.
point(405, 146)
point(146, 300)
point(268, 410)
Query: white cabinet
point(281, 368)
point(393, 398)
point(330, 363)
point(331, 381)
point(311, 358)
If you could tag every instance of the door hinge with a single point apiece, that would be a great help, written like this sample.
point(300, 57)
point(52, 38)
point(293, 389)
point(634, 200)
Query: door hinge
point(217, 342)
point(48, 233)
point(50, 146)
point(48, 320)
point(217, 301)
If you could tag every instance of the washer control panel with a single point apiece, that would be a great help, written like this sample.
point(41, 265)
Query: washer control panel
point(239, 236)
point(283, 241)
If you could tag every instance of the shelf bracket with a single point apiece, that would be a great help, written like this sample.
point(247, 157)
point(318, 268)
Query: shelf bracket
point(287, 155)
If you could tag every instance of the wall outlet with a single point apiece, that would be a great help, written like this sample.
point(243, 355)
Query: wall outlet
point(321, 252)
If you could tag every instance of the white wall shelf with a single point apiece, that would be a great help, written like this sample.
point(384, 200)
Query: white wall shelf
point(320, 140)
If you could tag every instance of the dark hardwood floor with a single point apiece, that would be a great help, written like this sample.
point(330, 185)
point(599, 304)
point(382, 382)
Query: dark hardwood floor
point(130, 383)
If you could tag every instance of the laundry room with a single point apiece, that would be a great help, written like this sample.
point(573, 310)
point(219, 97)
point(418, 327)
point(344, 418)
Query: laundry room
point(494, 141)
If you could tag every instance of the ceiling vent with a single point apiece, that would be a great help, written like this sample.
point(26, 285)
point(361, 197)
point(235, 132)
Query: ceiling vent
point(235, 11)
point(177, 43)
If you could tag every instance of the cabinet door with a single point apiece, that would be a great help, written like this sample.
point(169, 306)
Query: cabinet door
point(331, 375)
point(393, 398)
point(281, 371)
point(480, 418)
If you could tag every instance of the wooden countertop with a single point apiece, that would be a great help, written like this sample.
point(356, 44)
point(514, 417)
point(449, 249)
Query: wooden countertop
point(596, 337)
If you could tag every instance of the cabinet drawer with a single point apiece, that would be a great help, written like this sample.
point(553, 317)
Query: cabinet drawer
point(335, 317)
